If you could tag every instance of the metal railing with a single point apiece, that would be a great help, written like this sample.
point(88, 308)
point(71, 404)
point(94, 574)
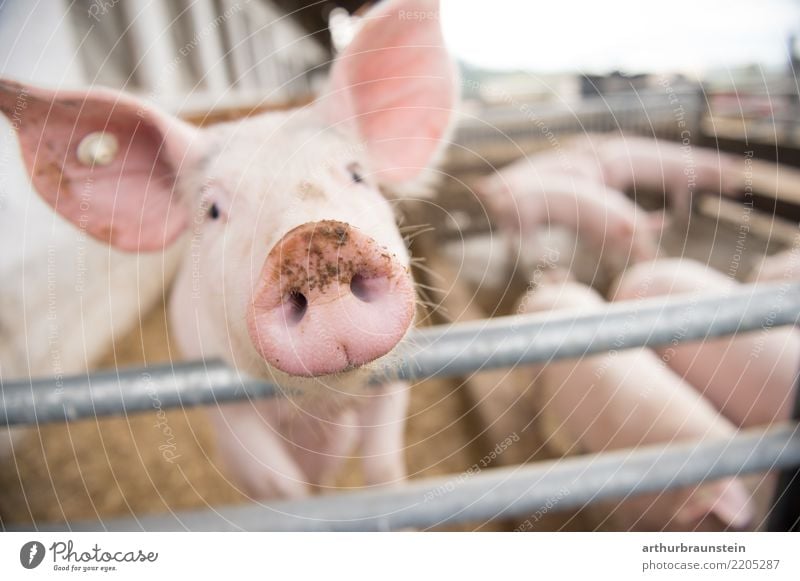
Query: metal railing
point(510, 492)
point(502, 132)
point(460, 349)
point(441, 351)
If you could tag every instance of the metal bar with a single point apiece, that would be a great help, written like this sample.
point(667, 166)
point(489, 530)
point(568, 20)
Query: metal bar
point(446, 350)
point(492, 494)
point(505, 342)
point(126, 391)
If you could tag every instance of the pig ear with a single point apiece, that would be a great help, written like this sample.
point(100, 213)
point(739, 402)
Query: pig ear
point(103, 160)
point(396, 87)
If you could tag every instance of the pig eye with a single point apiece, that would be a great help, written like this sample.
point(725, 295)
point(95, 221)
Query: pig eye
point(355, 172)
point(214, 202)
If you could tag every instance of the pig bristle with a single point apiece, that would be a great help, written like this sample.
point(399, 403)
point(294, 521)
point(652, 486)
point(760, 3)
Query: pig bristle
point(411, 232)
point(419, 262)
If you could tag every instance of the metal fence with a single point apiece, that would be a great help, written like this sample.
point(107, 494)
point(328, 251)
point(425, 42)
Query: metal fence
point(461, 349)
point(502, 132)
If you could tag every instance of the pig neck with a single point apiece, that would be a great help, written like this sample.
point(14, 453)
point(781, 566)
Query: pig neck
point(187, 325)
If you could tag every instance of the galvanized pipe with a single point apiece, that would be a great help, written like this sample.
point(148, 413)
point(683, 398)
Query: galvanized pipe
point(513, 492)
point(504, 342)
point(456, 349)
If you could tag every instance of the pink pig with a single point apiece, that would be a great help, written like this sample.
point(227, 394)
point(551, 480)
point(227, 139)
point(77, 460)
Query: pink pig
point(567, 161)
point(749, 377)
point(294, 268)
point(628, 399)
point(679, 171)
point(521, 200)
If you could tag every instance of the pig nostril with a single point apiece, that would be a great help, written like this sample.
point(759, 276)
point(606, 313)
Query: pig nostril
point(295, 306)
point(368, 289)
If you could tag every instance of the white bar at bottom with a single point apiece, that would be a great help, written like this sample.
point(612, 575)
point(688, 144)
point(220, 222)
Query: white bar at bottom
point(407, 556)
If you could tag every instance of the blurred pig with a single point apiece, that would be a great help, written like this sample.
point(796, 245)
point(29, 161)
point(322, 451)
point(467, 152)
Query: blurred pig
point(610, 226)
point(749, 377)
point(294, 270)
point(628, 399)
point(677, 170)
point(567, 161)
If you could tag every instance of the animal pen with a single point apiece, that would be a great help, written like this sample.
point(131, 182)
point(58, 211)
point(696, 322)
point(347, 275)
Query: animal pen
point(463, 349)
point(483, 141)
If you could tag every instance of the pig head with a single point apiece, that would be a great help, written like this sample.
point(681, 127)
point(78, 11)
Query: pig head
point(294, 266)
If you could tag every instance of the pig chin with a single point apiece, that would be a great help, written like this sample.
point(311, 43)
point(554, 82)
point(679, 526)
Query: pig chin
point(329, 301)
point(351, 380)
point(342, 340)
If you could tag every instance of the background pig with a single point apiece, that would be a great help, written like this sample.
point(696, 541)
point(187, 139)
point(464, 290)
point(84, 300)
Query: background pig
point(566, 161)
point(656, 165)
point(629, 399)
point(607, 224)
point(749, 377)
point(294, 269)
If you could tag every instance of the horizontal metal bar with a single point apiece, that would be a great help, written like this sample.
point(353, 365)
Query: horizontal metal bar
point(516, 492)
point(446, 350)
point(504, 342)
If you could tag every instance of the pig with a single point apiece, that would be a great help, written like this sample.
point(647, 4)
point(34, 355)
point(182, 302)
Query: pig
point(749, 377)
point(606, 222)
point(293, 269)
point(566, 161)
point(628, 399)
point(677, 170)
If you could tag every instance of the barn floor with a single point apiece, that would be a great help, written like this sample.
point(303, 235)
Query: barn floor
point(115, 467)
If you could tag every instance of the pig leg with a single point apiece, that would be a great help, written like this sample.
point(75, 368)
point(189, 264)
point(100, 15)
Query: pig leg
point(749, 377)
point(340, 445)
point(629, 399)
point(680, 200)
point(255, 455)
point(321, 436)
point(382, 434)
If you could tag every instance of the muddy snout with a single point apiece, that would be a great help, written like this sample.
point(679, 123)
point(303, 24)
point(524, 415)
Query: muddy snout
point(329, 298)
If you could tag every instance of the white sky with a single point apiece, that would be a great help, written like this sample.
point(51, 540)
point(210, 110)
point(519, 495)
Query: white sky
point(632, 35)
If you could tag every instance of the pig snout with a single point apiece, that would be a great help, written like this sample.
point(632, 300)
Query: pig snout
point(329, 298)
